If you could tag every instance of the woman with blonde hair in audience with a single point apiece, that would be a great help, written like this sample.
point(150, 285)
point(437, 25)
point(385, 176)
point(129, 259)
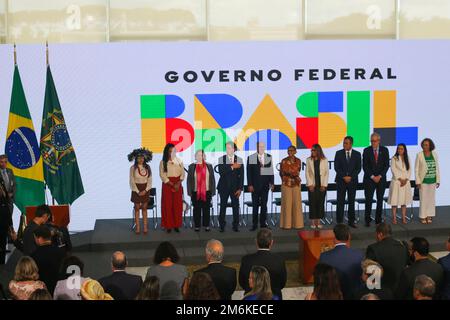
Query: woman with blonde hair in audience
point(259, 282)
point(326, 284)
point(93, 290)
point(26, 279)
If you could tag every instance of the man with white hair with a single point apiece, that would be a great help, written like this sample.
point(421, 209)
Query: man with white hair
point(424, 288)
point(224, 278)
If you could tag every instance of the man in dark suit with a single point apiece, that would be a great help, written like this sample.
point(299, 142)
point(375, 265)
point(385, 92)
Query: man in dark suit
point(9, 181)
point(224, 278)
point(260, 179)
point(41, 217)
point(347, 164)
point(5, 222)
point(265, 258)
point(445, 264)
point(375, 165)
point(390, 253)
point(422, 265)
point(231, 182)
point(345, 260)
point(121, 285)
point(48, 257)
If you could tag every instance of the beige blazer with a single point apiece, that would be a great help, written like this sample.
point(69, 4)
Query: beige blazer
point(421, 167)
point(324, 172)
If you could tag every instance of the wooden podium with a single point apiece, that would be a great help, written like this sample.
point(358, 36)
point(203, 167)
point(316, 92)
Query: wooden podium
point(311, 245)
point(61, 214)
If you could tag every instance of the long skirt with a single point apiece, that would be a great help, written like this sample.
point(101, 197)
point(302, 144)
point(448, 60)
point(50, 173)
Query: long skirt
point(171, 205)
point(398, 195)
point(427, 195)
point(291, 208)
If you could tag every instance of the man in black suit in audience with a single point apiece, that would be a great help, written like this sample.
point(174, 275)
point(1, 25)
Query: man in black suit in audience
point(347, 164)
point(375, 165)
point(260, 179)
point(445, 264)
point(422, 265)
point(121, 285)
point(265, 258)
point(345, 260)
point(231, 183)
point(224, 278)
point(390, 253)
point(48, 257)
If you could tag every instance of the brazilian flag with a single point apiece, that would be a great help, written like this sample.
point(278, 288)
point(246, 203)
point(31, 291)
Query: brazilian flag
point(22, 150)
point(61, 171)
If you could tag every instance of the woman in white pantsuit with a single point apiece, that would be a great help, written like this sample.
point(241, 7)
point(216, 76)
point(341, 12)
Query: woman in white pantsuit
point(427, 180)
point(400, 194)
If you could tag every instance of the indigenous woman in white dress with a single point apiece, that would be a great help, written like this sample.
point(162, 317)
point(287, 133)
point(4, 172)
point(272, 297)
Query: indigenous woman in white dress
point(400, 193)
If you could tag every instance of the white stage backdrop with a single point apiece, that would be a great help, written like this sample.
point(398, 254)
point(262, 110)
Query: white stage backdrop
point(116, 97)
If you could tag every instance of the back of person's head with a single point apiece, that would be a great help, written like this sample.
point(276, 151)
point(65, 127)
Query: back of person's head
point(201, 287)
point(42, 210)
point(260, 283)
point(149, 289)
point(384, 230)
point(214, 251)
point(72, 265)
point(43, 232)
point(369, 267)
point(341, 232)
point(264, 238)
point(166, 251)
point(40, 294)
point(420, 245)
point(326, 283)
point(26, 270)
point(370, 296)
point(119, 260)
point(424, 287)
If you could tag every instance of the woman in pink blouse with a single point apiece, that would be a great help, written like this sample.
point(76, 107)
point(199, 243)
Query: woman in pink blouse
point(25, 280)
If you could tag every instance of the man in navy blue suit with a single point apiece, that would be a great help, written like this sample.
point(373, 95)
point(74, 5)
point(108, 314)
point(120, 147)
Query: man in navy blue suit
point(347, 164)
point(345, 260)
point(375, 165)
point(445, 264)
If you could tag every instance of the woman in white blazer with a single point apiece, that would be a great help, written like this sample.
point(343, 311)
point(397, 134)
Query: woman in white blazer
point(400, 194)
point(427, 180)
point(317, 173)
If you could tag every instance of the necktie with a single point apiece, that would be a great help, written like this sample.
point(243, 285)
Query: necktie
point(375, 153)
point(348, 156)
point(5, 178)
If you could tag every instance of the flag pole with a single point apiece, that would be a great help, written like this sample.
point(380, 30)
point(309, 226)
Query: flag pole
point(15, 55)
point(46, 52)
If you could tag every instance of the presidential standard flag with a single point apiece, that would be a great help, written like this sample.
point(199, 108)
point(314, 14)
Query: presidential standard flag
point(22, 150)
point(60, 163)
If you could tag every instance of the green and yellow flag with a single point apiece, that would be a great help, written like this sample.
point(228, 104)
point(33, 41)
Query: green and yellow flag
point(22, 149)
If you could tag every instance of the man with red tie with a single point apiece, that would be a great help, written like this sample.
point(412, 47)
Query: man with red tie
point(375, 166)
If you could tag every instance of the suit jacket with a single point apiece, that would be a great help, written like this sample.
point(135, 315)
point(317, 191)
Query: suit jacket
point(190, 183)
point(372, 168)
point(258, 176)
point(48, 259)
point(445, 264)
point(272, 262)
point(121, 285)
point(347, 262)
point(324, 172)
point(408, 277)
point(230, 179)
point(421, 168)
point(393, 256)
point(224, 279)
point(11, 187)
point(344, 168)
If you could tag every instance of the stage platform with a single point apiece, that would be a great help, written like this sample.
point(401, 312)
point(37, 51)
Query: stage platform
point(95, 247)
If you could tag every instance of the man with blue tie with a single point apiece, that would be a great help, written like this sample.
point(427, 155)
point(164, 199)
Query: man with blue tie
point(375, 166)
point(347, 164)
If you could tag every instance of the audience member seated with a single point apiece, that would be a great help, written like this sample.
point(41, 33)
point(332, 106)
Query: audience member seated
point(372, 276)
point(345, 260)
point(390, 253)
point(48, 258)
point(259, 282)
point(92, 290)
point(121, 285)
point(370, 296)
point(171, 275)
point(424, 288)
point(40, 294)
point(200, 287)
point(326, 284)
point(42, 215)
point(149, 289)
point(445, 264)
point(25, 280)
point(265, 258)
point(224, 278)
point(421, 266)
point(72, 274)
